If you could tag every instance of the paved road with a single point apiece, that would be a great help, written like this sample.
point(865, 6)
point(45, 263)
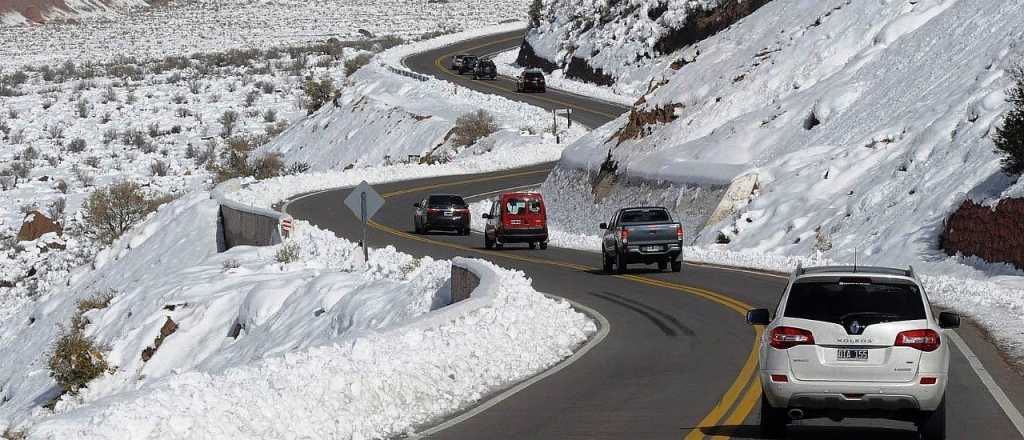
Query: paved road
point(677, 362)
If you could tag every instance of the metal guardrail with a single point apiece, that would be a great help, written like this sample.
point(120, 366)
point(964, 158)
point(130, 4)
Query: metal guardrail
point(407, 73)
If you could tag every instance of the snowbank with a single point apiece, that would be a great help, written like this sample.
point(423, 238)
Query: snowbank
point(506, 64)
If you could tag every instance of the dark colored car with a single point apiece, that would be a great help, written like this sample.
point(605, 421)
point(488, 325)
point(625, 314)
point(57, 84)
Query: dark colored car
point(531, 80)
point(517, 217)
point(469, 63)
point(457, 61)
point(645, 235)
point(485, 69)
point(441, 211)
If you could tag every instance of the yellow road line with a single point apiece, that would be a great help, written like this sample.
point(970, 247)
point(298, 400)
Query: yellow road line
point(439, 63)
point(747, 379)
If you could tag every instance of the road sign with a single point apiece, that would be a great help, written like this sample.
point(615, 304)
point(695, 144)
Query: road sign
point(364, 203)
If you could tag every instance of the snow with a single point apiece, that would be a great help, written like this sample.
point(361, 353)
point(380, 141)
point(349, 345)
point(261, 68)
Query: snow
point(506, 64)
point(371, 342)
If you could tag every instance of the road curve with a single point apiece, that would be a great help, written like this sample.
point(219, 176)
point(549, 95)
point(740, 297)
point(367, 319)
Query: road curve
point(677, 362)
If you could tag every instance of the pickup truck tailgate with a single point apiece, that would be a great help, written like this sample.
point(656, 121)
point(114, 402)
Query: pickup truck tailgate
point(641, 234)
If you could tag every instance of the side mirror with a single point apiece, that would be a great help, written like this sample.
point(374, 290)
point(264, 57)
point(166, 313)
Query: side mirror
point(486, 216)
point(417, 205)
point(949, 320)
point(759, 317)
point(603, 226)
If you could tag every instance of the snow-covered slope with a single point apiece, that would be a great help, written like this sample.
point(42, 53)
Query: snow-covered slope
point(19, 12)
point(243, 325)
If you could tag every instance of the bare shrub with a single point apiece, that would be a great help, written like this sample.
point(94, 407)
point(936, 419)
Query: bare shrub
point(154, 129)
point(288, 252)
point(11, 434)
point(92, 161)
point(267, 87)
point(84, 177)
point(77, 145)
point(109, 135)
point(231, 263)
point(51, 160)
point(472, 127)
point(55, 131)
point(179, 99)
point(318, 93)
point(133, 137)
point(16, 136)
point(270, 115)
point(273, 130)
point(29, 154)
point(82, 108)
point(352, 65)
point(251, 98)
point(21, 170)
point(267, 166)
point(76, 359)
point(111, 211)
point(109, 94)
point(196, 86)
point(233, 164)
point(228, 122)
point(296, 168)
point(105, 118)
point(159, 168)
point(204, 156)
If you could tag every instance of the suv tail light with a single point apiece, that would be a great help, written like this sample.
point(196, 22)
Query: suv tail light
point(788, 337)
point(625, 235)
point(679, 232)
point(924, 340)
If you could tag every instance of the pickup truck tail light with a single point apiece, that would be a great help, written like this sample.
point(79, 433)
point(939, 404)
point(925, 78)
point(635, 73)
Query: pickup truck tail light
point(924, 340)
point(789, 337)
point(625, 235)
point(679, 232)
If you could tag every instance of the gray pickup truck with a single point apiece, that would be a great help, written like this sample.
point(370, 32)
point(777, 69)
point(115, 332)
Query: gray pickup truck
point(642, 235)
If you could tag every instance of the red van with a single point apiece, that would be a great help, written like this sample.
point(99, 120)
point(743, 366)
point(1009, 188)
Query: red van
point(517, 217)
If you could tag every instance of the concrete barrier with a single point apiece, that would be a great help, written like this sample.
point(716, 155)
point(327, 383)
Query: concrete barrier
point(244, 225)
point(464, 281)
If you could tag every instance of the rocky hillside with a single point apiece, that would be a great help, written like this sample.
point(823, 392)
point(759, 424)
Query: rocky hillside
point(20, 12)
point(605, 42)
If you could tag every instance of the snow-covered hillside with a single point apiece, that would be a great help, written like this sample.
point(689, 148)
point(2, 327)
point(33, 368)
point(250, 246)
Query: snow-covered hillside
point(21, 12)
point(235, 327)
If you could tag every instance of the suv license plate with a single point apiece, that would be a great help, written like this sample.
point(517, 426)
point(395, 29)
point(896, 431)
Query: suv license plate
point(858, 355)
point(651, 249)
point(449, 214)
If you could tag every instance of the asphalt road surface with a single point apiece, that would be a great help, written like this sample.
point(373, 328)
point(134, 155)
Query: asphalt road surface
point(679, 360)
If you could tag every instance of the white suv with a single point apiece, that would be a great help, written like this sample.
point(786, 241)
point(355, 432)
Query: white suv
point(854, 342)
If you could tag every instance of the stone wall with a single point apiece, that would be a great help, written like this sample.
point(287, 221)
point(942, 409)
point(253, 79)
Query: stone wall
point(995, 235)
point(464, 281)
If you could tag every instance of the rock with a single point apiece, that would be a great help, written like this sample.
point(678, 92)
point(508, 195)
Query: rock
point(993, 234)
point(35, 225)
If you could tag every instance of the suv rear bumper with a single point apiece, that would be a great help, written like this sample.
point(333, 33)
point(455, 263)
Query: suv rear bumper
point(826, 396)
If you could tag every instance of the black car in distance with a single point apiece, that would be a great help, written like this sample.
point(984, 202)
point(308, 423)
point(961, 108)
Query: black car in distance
point(531, 80)
point(441, 212)
point(485, 69)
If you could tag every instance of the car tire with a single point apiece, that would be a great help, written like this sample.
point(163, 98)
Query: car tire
point(932, 425)
point(543, 245)
point(533, 245)
point(677, 266)
point(620, 263)
point(466, 231)
point(773, 420)
point(606, 263)
point(499, 245)
point(416, 227)
point(662, 265)
point(488, 244)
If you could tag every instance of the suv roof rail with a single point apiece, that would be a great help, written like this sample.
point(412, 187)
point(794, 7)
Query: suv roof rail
point(909, 272)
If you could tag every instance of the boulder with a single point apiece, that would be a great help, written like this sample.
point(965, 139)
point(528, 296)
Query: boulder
point(35, 225)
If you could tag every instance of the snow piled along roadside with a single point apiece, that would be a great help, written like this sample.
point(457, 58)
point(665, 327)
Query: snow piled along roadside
point(325, 347)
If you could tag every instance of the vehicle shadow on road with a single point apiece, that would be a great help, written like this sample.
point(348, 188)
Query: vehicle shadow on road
point(813, 432)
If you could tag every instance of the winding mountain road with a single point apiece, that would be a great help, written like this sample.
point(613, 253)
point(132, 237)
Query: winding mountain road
point(678, 361)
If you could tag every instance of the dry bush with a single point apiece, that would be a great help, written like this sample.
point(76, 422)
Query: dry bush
point(56, 209)
point(273, 130)
point(11, 434)
point(153, 129)
point(288, 252)
point(82, 108)
point(111, 211)
point(92, 161)
point(228, 122)
point(16, 136)
point(472, 127)
point(77, 145)
point(296, 168)
point(159, 168)
point(76, 359)
point(29, 154)
point(267, 166)
point(270, 115)
point(55, 131)
point(318, 93)
point(352, 65)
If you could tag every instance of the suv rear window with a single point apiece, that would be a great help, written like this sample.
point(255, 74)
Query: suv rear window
point(843, 302)
point(645, 216)
point(446, 201)
point(533, 75)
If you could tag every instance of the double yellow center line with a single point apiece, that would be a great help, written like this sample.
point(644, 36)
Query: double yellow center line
point(745, 390)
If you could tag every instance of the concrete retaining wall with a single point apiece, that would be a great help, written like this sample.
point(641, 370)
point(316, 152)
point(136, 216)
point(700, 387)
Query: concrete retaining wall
point(243, 225)
point(464, 282)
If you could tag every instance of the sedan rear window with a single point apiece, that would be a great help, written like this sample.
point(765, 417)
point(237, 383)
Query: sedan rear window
point(446, 201)
point(865, 302)
point(646, 216)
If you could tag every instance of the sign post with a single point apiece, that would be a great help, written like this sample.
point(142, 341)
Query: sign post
point(364, 203)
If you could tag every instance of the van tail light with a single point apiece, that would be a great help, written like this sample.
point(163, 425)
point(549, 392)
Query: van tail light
point(788, 337)
point(679, 232)
point(625, 235)
point(924, 340)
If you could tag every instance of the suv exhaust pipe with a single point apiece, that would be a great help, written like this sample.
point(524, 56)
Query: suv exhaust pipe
point(796, 413)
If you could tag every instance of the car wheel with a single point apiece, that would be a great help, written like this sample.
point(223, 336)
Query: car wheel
point(607, 263)
point(932, 425)
point(677, 266)
point(662, 265)
point(499, 245)
point(543, 245)
point(620, 263)
point(773, 420)
point(488, 244)
point(533, 245)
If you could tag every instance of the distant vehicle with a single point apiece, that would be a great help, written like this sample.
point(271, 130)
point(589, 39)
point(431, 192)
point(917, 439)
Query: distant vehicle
point(485, 69)
point(531, 80)
point(854, 342)
point(469, 63)
point(441, 211)
point(517, 217)
point(457, 61)
point(642, 235)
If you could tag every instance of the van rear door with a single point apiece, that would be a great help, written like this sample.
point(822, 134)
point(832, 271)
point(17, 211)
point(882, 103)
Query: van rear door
point(523, 211)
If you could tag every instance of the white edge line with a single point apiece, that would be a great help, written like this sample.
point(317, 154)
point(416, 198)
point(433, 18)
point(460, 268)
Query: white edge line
point(993, 388)
point(604, 327)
